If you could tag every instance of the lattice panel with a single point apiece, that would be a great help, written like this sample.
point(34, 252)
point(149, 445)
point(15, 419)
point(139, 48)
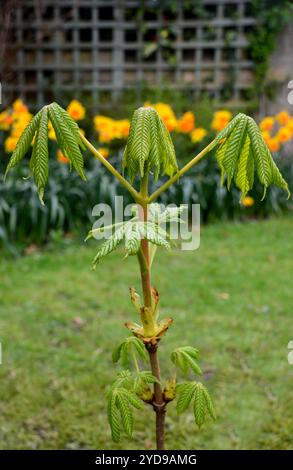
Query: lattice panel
point(98, 48)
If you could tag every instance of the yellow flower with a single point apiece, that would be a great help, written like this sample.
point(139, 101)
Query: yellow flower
point(283, 117)
point(248, 201)
point(283, 134)
point(104, 151)
point(267, 123)
point(266, 136)
point(76, 110)
point(19, 107)
point(51, 133)
point(198, 134)
point(104, 126)
point(166, 113)
point(61, 157)
point(186, 123)
point(10, 144)
point(221, 119)
point(120, 128)
point(274, 144)
point(16, 131)
point(289, 125)
point(110, 129)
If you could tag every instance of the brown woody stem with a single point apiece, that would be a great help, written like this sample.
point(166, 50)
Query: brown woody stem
point(158, 403)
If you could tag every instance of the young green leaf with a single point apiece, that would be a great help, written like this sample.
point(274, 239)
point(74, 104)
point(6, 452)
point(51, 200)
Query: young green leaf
point(197, 395)
point(199, 405)
point(36, 133)
point(242, 151)
point(113, 417)
point(209, 403)
point(109, 245)
point(149, 146)
point(67, 138)
point(186, 392)
point(123, 405)
point(40, 159)
point(24, 142)
point(143, 379)
point(184, 358)
point(124, 351)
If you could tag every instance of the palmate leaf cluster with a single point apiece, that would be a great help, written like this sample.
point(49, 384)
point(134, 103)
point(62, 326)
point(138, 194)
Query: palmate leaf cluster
point(134, 230)
point(121, 401)
point(196, 395)
point(129, 346)
point(242, 153)
point(36, 134)
point(125, 395)
point(149, 146)
point(185, 359)
point(192, 393)
point(130, 389)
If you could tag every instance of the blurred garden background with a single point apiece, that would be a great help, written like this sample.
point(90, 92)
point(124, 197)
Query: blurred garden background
point(198, 63)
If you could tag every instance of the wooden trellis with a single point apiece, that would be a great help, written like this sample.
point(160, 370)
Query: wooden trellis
point(98, 48)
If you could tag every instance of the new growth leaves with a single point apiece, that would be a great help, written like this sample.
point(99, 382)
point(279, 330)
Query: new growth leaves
point(36, 134)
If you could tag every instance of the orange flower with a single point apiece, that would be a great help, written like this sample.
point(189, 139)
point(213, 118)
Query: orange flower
point(221, 119)
point(124, 126)
point(283, 134)
point(283, 117)
point(76, 110)
point(198, 134)
point(186, 123)
point(267, 123)
point(273, 144)
point(248, 201)
point(61, 157)
point(5, 121)
point(266, 136)
point(19, 106)
point(10, 144)
point(289, 125)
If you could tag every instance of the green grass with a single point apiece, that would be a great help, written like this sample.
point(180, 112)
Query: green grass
point(232, 299)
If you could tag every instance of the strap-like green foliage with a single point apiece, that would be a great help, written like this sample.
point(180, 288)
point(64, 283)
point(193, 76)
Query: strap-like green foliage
point(149, 146)
point(120, 404)
point(195, 393)
point(130, 345)
point(132, 232)
point(36, 133)
point(185, 359)
point(242, 151)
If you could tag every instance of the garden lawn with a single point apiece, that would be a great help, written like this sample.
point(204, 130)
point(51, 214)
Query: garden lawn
point(231, 299)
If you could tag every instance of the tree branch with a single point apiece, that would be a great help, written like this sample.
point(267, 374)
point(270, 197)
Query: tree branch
point(136, 196)
point(183, 170)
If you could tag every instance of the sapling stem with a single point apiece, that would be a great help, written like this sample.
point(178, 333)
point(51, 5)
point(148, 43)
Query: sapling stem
point(145, 269)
